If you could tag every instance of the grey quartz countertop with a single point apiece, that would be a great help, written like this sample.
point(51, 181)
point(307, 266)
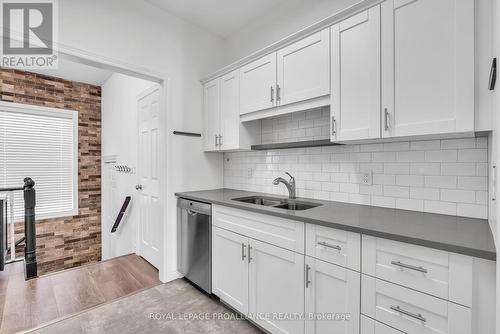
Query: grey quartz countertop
point(461, 235)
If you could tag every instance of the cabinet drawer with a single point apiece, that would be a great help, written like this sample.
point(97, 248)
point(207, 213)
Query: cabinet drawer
point(335, 246)
point(370, 326)
point(411, 311)
point(280, 232)
point(439, 273)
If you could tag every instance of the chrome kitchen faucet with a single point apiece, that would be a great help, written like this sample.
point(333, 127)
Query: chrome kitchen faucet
point(290, 185)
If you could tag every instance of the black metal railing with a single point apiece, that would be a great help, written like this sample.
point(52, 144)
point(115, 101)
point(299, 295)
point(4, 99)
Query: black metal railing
point(29, 228)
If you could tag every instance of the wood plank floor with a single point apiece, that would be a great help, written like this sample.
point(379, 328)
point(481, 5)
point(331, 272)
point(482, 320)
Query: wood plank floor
point(27, 304)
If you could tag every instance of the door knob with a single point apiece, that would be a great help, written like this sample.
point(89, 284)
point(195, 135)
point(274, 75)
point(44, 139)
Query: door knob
point(138, 187)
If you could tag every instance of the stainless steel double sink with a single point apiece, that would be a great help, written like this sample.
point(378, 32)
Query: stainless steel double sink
point(279, 203)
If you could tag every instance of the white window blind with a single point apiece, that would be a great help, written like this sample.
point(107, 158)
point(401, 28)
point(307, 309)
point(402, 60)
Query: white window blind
point(40, 143)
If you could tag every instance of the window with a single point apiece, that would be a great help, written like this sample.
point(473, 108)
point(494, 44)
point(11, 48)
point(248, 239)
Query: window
point(41, 143)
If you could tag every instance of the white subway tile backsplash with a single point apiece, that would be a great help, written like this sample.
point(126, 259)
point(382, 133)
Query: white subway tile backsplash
point(472, 183)
point(482, 169)
point(458, 143)
point(473, 155)
point(409, 204)
point(410, 180)
point(410, 156)
point(447, 182)
point(441, 156)
point(458, 196)
point(440, 176)
point(459, 169)
point(384, 179)
point(397, 191)
point(399, 146)
point(424, 193)
point(384, 201)
point(426, 168)
point(425, 145)
point(384, 156)
point(445, 208)
point(472, 210)
point(400, 168)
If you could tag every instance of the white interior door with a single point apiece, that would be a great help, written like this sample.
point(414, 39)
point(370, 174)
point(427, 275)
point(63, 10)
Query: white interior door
point(332, 289)
point(230, 268)
point(230, 111)
point(303, 69)
point(211, 93)
point(355, 99)
point(258, 85)
point(149, 171)
point(427, 66)
point(276, 286)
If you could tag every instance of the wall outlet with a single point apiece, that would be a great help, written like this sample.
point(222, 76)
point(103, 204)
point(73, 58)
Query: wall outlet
point(249, 173)
point(367, 178)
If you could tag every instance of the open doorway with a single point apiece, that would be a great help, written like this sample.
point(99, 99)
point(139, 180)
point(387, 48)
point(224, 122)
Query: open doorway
point(131, 168)
point(98, 141)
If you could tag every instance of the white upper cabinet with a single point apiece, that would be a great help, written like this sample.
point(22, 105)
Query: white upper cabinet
point(355, 98)
point(427, 67)
point(223, 129)
point(230, 115)
point(303, 69)
point(211, 93)
point(258, 85)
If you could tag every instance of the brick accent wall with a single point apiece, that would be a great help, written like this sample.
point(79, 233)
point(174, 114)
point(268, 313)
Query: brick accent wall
point(70, 241)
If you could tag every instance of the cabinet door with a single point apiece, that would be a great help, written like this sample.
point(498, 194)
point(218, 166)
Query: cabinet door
point(211, 94)
point(427, 67)
point(355, 98)
point(230, 114)
point(258, 85)
point(331, 291)
point(370, 326)
point(303, 69)
point(230, 268)
point(276, 287)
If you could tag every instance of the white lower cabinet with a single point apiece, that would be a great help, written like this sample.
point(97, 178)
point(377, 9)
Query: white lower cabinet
point(370, 326)
point(411, 311)
point(332, 298)
point(259, 268)
point(230, 268)
point(276, 288)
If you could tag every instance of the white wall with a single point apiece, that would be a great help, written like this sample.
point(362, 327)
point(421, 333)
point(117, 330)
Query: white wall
point(290, 18)
point(139, 34)
point(120, 139)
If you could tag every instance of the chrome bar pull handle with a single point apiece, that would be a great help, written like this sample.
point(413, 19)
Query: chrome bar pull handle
point(220, 140)
point(278, 93)
point(308, 281)
point(327, 245)
point(272, 94)
point(410, 314)
point(243, 256)
point(386, 119)
point(216, 143)
point(334, 126)
point(409, 266)
point(249, 254)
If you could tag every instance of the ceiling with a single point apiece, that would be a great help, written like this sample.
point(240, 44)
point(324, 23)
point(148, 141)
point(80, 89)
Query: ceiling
point(70, 70)
point(220, 17)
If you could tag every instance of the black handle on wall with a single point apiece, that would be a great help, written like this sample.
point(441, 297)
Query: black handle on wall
point(493, 75)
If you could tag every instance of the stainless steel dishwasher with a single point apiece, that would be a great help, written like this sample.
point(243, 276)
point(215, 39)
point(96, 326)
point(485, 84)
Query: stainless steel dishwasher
point(194, 242)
